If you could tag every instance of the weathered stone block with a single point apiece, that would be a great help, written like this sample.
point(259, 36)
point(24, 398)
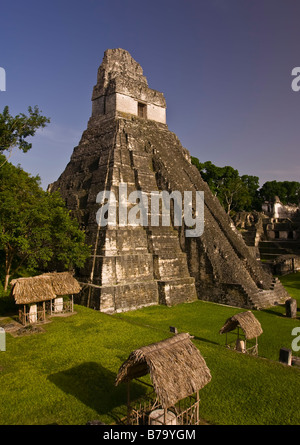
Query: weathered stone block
point(291, 308)
point(285, 356)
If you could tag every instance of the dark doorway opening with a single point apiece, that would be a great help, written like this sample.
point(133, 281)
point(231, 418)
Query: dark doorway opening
point(142, 110)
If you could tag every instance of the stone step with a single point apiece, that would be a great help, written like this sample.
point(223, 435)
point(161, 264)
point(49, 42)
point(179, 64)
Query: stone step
point(277, 294)
point(119, 298)
point(163, 244)
point(176, 291)
point(172, 265)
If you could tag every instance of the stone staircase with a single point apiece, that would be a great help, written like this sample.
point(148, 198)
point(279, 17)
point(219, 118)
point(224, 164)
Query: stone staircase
point(270, 250)
point(268, 298)
point(262, 299)
point(175, 285)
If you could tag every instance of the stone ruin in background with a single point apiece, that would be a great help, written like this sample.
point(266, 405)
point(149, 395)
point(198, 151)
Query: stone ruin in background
point(273, 235)
point(128, 141)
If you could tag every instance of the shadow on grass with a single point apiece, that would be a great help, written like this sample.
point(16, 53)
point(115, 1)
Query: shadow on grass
point(94, 385)
point(205, 340)
point(273, 312)
point(277, 312)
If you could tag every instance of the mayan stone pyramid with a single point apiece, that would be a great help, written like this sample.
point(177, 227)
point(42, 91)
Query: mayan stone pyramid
point(127, 141)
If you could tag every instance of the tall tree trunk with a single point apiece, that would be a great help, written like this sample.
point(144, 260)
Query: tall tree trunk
point(8, 261)
point(6, 281)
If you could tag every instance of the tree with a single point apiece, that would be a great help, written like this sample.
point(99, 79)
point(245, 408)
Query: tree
point(252, 185)
point(234, 192)
point(237, 193)
point(287, 191)
point(36, 229)
point(15, 130)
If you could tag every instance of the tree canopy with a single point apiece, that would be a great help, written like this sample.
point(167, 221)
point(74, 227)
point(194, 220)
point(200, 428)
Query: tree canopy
point(14, 130)
point(36, 229)
point(287, 191)
point(235, 192)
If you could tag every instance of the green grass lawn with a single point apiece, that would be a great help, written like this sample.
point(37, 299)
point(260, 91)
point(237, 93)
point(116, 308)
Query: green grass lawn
point(66, 374)
point(292, 284)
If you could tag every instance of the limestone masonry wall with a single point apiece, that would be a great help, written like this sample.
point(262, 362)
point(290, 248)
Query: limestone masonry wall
point(131, 267)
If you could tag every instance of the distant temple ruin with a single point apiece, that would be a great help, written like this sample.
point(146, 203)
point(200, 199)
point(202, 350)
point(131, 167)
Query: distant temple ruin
point(127, 141)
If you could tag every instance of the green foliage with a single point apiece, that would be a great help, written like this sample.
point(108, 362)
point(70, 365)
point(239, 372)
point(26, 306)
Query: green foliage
point(14, 130)
point(35, 226)
point(252, 186)
point(234, 192)
point(287, 191)
point(238, 193)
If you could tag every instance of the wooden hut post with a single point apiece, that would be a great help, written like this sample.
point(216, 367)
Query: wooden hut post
point(44, 311)
point(72, 303)
point(197, 410)
point(165, 416)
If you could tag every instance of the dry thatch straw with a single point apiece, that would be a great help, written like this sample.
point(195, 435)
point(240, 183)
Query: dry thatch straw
point(32, 290)
point(246, 321)
point(63, 283)
point(43, 287)
point(176, 368)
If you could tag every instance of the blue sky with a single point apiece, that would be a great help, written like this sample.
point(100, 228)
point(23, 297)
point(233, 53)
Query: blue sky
point(224, 67)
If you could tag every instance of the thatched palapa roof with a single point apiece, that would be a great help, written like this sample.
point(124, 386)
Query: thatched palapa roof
point(31, 290)
point(63, 283)
point(176, 368)
point(246, 321)
point(43, 287)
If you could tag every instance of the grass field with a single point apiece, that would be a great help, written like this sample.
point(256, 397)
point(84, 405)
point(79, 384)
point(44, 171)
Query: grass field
point(292, 284)
point(66, 373)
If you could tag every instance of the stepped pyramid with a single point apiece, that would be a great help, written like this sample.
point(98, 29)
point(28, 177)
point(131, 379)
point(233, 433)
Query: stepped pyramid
point(127, 141)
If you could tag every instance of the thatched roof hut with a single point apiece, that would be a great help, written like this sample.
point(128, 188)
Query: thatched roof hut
point(63, 283)
point(246, 321)
point(176, 368)
point(43, 287)
point(32, 290)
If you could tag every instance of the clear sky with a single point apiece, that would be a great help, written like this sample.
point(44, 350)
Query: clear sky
point(224, 67)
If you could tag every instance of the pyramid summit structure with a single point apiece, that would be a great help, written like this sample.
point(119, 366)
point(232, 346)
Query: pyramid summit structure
point(127, 143)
